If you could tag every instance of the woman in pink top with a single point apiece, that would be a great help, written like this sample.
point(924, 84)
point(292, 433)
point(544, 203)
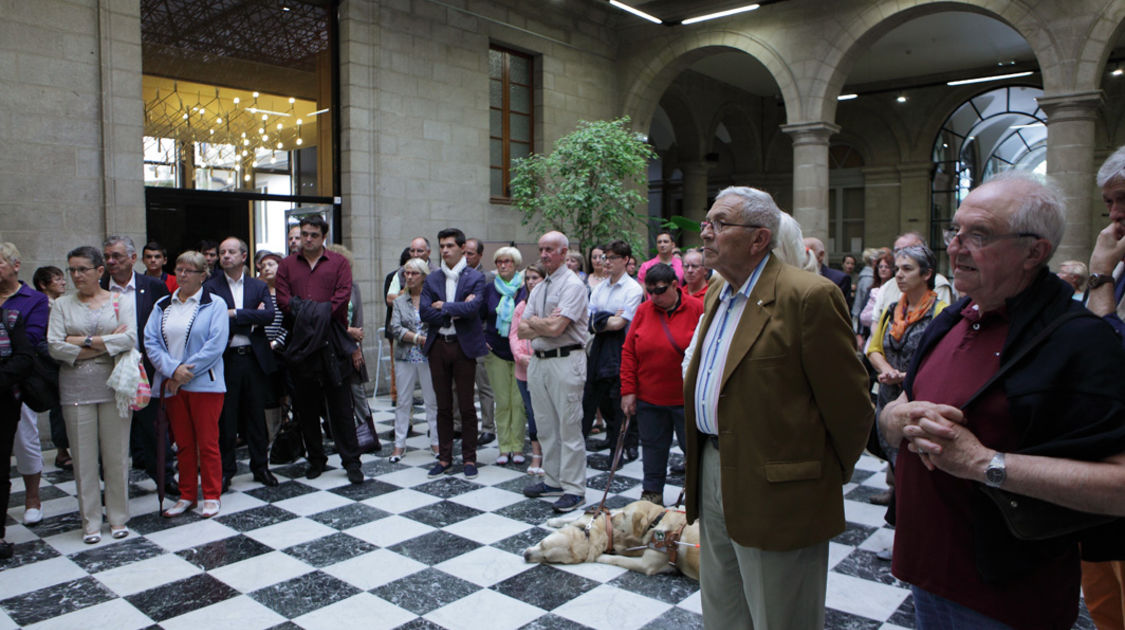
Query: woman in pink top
point(521, 352)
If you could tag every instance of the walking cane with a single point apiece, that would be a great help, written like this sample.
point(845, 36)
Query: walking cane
point(161, 440)
point(394, 391)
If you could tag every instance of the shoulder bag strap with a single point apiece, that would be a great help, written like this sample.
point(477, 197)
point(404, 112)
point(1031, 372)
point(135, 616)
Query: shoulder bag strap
point(668, 333)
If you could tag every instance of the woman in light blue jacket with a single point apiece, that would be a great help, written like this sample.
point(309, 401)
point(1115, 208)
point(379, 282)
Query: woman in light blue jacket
point(185, 337)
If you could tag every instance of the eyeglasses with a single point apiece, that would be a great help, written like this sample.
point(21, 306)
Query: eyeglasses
point(717, 225)
point(658, 290)
point(612, 257)
point(74, 271)
point(979, 240)
point(505, 261)
point(181, 271)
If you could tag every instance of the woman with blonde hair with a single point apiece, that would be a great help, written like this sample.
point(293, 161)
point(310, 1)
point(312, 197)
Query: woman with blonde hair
point(411, 364)
point(87, 329)
point(497, 310)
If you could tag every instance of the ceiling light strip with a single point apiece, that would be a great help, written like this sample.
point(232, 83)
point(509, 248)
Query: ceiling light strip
point(847, 97)
point(997, 77)
point(636, 12)
point(720, 14)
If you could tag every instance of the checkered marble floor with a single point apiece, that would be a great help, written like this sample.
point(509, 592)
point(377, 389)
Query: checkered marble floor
point(399, 550)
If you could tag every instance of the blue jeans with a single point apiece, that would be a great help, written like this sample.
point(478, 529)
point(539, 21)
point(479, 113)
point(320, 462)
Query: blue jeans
point(526, 395)
point(656, 424)
point(934, 612)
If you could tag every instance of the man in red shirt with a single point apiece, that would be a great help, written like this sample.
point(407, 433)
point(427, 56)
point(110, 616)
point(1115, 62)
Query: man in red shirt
point(977, 433)
point(317, 275)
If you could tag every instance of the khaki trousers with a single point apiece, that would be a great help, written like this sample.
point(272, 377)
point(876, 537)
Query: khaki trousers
point(98, 435)
point(745, 587)
point(556, 397)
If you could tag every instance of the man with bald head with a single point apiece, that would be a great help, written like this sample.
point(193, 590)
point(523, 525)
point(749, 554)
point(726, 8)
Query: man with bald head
point(889, 293)
point(838, 278)
point(555, 321)
point(1012, 405)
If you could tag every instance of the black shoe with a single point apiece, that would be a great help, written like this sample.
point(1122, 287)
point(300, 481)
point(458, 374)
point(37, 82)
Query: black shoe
point(355, 475)
point(600, 446)
point(171, 487)
point(457, 435)
point(266, 478)
point(314, 471)
point(631, 454)
point(226, 484)
point(485, 437)
point(5, 549)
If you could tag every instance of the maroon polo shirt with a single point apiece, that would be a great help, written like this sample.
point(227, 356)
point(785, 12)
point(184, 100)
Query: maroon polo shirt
point(934, 510)
point(329, 280)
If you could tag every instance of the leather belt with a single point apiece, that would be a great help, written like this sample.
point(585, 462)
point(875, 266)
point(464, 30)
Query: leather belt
point(557, 352)
point(240, 350)
point(447, 338)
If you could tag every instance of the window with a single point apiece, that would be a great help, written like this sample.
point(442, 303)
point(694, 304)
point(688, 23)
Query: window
point(511, 104)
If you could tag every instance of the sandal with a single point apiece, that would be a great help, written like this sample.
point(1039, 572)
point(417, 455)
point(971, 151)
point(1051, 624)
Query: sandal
point(502, 460)
point(119, 532)
point(64, 462)
point(210, 508)
point(518, 458)
point(179, 508)
point(92, 539)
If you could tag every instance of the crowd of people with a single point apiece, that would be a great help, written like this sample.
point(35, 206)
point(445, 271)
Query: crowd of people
point(995, 398)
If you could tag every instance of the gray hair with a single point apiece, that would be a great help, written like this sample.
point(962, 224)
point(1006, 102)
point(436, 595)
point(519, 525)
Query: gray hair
point(924, 258)
point(790, 244)
point(511, 252)
point(114, 239)
point(1113, 169)
point(10, 253)
point(1078, 269)
point(1041, 210)
point(417, 264)
point(242, 246)
point(757, 207)
point(193, 258)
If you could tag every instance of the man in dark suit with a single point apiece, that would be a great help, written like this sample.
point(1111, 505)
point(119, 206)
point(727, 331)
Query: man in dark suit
point(838, 278)
point(246, 362)
point(778, 415)
point(120, 258)
point(450, 304)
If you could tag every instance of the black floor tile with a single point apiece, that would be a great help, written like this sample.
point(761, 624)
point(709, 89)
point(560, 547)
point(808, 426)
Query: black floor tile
point(254, 518)
point(284, 490)
point(676, 619)
point(56, 600)
point(442, 514)
point(448, 487)
point(303, 594)
point(425, 590)
point(366, 490)
point(180, 597)
point(671, 588)
point(330, 549)
point(348, 516)
point(220, 553)
point(118, 554)
point(545, 586)
point(434, 547)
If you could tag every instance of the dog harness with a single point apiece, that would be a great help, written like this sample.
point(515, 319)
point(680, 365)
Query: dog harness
point(601, 510)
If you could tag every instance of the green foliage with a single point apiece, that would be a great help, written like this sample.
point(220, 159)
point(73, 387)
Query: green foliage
point(681, 223)
point(588, 187)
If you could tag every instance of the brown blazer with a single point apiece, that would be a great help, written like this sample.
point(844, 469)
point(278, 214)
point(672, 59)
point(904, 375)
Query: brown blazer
point(793, 416)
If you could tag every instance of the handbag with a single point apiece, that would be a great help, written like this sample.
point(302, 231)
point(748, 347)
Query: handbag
point(39, 389)
point(288, 445)
point(132, 392)
point(366, 437)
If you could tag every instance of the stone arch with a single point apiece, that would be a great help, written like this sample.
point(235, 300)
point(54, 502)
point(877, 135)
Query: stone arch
point(1106, 29)
point(652, 77)
point(872, 23)
point(736, 117)
point(690, 140)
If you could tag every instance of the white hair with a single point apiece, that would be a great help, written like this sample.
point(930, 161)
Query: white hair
point(789, 244)
point(756, 207)
point(1041, 211)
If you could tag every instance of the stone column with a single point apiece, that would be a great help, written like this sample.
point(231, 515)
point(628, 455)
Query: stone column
point(915, 198)
point(1070, 161)
point(881, 205)
point(810, 175)
point(695, 189)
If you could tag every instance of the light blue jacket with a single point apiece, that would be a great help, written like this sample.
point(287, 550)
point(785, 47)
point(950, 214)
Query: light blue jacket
point(207, 339)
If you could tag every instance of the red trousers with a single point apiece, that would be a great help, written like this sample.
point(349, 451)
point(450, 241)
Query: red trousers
point(1102, 586)
point(194, 417)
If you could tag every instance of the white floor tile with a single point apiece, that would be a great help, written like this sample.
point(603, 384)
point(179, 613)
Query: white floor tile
point(881, 539)
point(31, 577)
point(361, 611)
point(236, 502)
point(487, 528)
point(492, 475)
point(401, 501)
point(236, 613)
point(488, 499)
point(372, 570)
point(389, 531)
point(502, 612)
point(836, 553)
point(610, 607)
point(596, 571)
point(116, 614)
point(865, 513)
point(191, 535)
point(693, 602)
point(6, 622)
point(254, 573)
point(313, 502)
point(289, 533)
point(326, 481)
point(406, 478)
point(868, 462)
point(146, 574)
point(865, 598)
point(484, 566)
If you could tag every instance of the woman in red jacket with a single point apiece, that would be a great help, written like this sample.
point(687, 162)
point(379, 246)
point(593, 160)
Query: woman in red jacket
point(652, 386)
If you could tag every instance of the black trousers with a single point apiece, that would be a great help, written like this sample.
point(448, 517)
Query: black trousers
point(605, 394)
point(448, 365)
point(315, 396)
point(245, 400)
point(9, 420)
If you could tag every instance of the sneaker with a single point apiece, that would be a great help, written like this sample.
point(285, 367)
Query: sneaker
point(470, 471)
point(653, 497)
point(568, 502)
point(541, 490)
point(439, 469)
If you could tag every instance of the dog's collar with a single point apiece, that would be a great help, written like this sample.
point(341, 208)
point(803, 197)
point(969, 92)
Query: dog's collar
point(596, 512)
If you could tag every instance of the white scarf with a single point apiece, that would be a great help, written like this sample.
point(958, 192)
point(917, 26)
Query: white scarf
point(451, 276)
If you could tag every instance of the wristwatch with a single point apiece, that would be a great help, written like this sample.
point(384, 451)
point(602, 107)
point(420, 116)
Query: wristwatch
point(996, 473)
point(1098, 279)
point(89, 342)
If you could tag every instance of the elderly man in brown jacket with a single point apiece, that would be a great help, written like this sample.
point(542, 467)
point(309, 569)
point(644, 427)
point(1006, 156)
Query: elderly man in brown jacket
point(778, 414)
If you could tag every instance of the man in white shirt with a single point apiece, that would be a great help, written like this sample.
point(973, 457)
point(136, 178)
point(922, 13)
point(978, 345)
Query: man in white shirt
point(613, 303)
point(247, 362)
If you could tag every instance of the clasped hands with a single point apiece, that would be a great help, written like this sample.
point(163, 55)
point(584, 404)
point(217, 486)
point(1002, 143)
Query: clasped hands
point(938, 435)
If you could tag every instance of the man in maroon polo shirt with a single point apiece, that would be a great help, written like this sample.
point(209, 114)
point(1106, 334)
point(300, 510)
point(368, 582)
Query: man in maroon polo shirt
point(318, 275)
point(1051, 426)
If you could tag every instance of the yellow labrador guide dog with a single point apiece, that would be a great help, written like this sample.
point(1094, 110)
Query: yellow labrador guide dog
point(641, 536)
